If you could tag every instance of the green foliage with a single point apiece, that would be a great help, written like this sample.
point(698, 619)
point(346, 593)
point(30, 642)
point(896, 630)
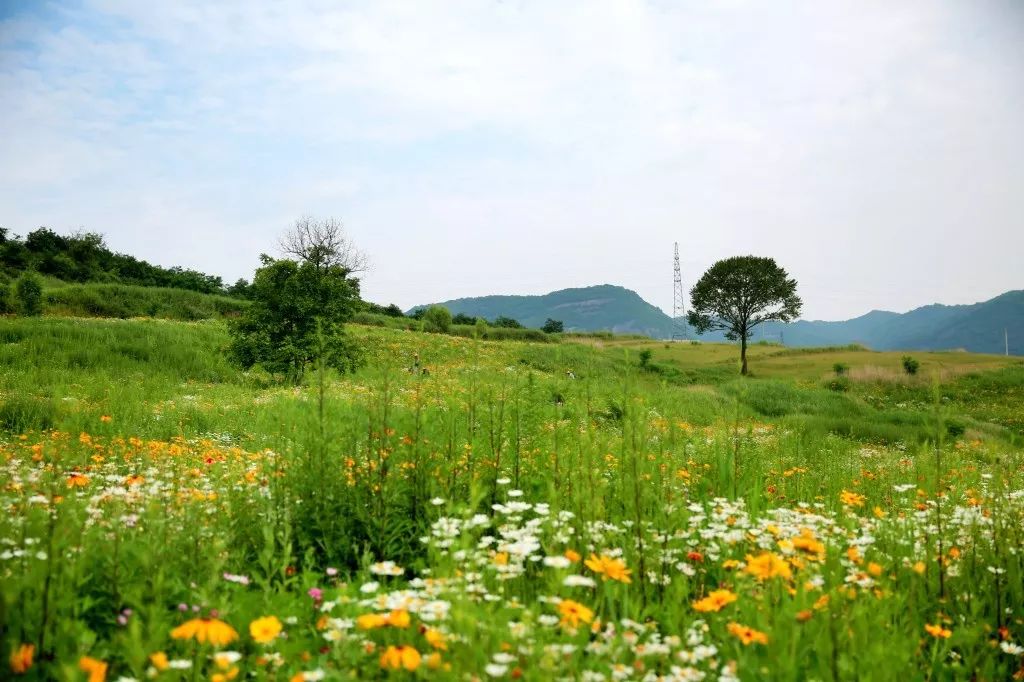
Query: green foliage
point(296, 317)
point(737, 294)
point(28, 294)
point(840, 368)
point(553, 326)
point(437, 319)
point(462, 318)
point(507, 322)
point(645, 358)
point(84, 257)
point(910, 365)
point(6, 304)
point(839, 384)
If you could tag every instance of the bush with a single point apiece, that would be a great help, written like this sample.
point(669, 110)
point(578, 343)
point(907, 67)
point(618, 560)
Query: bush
point(28, 291)
point(6, 305)
point(437, 319)
point(645, 358)
point(840, 384)
point(840, 369)
point(910, 365)
point(463, 318)
point(553, 326)
point(507, 322)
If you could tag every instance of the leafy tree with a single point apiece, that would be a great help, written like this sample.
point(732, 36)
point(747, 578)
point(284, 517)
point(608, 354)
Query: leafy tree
point(645, 358)
point(553, 326)
point(507, 322)
point(28, 291)
point(298, 312)
point(463, 318)
point(437, 319)
point(737, 294)
point(480, 328)
point(393, 311)
point(240, 289)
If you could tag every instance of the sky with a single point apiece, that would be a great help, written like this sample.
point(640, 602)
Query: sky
point(875, 149)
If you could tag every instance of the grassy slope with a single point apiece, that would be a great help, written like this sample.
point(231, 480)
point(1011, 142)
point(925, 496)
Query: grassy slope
point(126, 301)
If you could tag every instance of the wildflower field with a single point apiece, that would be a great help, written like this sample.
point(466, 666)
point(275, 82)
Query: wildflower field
point(519, 511)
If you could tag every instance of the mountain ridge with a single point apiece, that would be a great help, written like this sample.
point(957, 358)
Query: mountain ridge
point(976, 327)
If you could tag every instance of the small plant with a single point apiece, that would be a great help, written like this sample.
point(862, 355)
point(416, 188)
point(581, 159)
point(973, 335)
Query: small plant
point(28, 291)
point(645, 358)
point(840, 369)
point(839, 384)
point(910, 365)
point(437, 319)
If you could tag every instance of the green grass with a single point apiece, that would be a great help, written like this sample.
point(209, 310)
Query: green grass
point(126, 301)
point(140, 469)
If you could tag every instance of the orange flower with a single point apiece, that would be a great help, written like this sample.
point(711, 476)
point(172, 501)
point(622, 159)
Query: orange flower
point(77, 480)
point(265, 630)
point(96, 669)
point(715, 601)
point(937, 631)
point(768, 565)
point(874, 569)
point(609, 568)
point(573, 613)
point(851, 498)
point(396, 657)
point(105, 418)
point(804, 616)
point(747, 635)
point(21, 658)
point(571, 555)
point(216, 632)
point(399, 618)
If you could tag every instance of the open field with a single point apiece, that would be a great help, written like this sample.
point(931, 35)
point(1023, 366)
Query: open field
point(171, 516)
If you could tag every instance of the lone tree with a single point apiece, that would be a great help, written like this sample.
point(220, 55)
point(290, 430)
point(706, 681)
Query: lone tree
point(553, 326)
point(300, 304)
point(737, 294)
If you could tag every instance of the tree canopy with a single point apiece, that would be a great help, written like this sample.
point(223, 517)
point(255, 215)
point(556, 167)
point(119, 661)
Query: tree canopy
point(737, 294)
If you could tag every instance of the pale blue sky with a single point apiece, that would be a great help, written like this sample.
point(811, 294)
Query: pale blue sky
point(874, 148)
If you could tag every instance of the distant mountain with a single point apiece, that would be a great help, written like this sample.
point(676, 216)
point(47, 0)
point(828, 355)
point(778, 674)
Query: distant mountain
point(598, 308)
point(977, 327)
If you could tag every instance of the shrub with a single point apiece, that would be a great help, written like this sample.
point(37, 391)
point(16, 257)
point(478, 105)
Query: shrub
point(28, 291)
point(463, 318)
point(507, 322)
point(6, 305)
point(645, 358)
point(910, 365)
point(437, 319)
point(840, 369)
point(840, 384)
point(553, 326)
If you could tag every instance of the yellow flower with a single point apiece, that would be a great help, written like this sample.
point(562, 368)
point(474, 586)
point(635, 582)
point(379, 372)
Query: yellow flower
point(715, 601)
point(265, 630)
point(399, 618)
point(572, 556)
point(938, 631)
point(77, 480)
point(159, 660)
point(396, 657)
point(768, 565)
point(501, 559)
point(21, 658)
point(851, 498)
point(216, 632)
point(573, 613)
point(806, 542)
point(609, 568)
point(918, 568)
point(225, 677)
point(874, 569)
point(435, 638)
point(746, 634)
point(96, 669)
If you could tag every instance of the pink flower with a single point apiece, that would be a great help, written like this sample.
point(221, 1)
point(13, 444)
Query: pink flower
point(316, 593)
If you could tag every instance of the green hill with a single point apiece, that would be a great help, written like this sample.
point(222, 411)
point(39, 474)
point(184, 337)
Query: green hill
point(604, 307)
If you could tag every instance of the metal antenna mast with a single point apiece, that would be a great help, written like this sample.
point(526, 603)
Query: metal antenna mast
point(678, 302)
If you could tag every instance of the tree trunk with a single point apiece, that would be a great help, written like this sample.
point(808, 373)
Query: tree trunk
point(743, 353)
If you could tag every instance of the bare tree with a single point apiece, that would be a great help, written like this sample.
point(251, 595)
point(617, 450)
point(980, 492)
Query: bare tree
point(323, 243)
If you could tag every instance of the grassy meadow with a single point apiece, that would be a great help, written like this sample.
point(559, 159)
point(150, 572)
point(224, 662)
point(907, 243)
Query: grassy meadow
point(520, 510)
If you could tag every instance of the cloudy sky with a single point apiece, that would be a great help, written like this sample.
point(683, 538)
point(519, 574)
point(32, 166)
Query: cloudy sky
point(874, 149)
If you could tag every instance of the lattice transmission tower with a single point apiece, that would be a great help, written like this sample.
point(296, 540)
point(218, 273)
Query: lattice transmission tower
point(678, 301)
